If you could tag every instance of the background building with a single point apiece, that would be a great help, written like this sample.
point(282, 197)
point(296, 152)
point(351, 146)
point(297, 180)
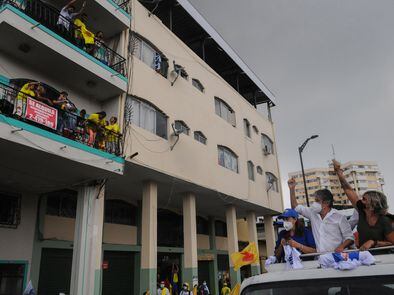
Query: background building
point(194, 154)
point(361, 175)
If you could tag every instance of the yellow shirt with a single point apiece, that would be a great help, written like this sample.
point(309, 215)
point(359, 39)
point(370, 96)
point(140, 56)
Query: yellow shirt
point(226, 291)
point(96, 119)
point(25, 91)
point(113, 130)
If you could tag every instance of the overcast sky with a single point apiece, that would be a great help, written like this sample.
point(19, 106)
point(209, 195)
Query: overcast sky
point(330, 65)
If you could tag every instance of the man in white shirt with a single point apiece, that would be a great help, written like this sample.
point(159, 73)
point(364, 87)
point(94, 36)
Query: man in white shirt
point(67, 14)
point(331, 230)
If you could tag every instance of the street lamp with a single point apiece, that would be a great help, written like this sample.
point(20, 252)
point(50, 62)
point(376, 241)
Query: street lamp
point(300, 150)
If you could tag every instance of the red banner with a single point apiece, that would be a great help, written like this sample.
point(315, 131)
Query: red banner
point(41, 113)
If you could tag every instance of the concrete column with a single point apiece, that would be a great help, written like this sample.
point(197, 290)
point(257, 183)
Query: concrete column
point(232, 242)
point(148, 274)
point(212, 245)
point(190, 273)
point(252, 233)
point(88, 239)
point(269, 234)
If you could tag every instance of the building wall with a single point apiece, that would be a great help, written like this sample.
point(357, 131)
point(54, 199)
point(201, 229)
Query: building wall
point(17, 244)
point(184, 102)
point(203, 242)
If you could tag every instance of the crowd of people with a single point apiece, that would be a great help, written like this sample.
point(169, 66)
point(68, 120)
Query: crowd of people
point(93, 130)
point(331, 231)
point(73, 23)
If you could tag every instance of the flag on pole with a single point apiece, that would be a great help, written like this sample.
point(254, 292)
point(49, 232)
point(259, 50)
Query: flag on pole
point(248, 255)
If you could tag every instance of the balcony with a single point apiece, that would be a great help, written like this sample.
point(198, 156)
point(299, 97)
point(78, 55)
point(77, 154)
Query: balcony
point(30, 35)
point(34, 117)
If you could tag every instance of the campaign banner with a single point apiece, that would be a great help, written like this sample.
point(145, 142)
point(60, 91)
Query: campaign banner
point(41, 113)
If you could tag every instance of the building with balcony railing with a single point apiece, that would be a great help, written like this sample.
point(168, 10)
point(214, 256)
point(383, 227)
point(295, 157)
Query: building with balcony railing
point(131, 144)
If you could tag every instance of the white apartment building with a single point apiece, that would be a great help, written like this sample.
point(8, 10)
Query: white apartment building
point(86, 209)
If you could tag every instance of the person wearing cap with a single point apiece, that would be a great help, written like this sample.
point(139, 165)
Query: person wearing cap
point(294, 234)
point(163, 290)
point(185, 289)
point(331, 230)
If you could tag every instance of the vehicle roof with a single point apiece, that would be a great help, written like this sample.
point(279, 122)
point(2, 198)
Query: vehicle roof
point(384, 265)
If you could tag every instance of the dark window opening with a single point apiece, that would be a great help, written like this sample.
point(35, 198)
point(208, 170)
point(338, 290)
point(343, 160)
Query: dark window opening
point(120, 212)
point(196, 83)
point(182, 127)
point(247, 128)
point(12, 276)
point(220, 228)
point(169, 229)
point(199, 136)
point(202, 226)
point(250, 170)
point(259, 170)
point(62, 203)
point(10, 210)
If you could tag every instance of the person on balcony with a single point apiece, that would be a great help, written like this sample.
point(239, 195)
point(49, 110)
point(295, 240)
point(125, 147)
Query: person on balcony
point(113, 132)
point(99, 51)
point(67, 120)
point(374, 227)
point(95, 125)
point(27, 89)
point(83, 37)
point(68, 14)
point(40, 95)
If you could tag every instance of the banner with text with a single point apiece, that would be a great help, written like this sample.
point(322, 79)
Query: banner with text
point(41, 113)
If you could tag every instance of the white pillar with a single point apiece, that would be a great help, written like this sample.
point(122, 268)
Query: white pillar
point(232, 242)
point(148, 275)
point(252, 233)
point(269, 234)
point(190, 272)
point(88, 239)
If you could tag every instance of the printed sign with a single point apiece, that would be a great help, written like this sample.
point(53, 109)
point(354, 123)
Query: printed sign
point(41, 113)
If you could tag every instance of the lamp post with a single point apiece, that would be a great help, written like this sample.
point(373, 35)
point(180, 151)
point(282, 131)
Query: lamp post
point(300, 150)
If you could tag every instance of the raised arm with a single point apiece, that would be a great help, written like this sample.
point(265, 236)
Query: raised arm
point(292, 186)
point(350, 193)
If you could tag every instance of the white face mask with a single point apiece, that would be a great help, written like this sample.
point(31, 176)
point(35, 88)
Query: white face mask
point(287, 225)
point(316, 207)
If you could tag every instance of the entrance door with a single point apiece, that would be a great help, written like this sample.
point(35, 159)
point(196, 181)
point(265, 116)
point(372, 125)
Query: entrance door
point(55, 271)
point(118, 275)
point(203, 273)
point(166, 262)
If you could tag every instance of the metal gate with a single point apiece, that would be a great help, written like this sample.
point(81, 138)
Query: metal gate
point(118, 273)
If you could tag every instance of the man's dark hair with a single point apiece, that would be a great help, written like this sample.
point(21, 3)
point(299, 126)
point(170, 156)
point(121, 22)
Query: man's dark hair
point(326, 196)
point(64, 93)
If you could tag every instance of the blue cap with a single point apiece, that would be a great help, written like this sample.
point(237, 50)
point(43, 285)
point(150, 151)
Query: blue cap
point(288, 213)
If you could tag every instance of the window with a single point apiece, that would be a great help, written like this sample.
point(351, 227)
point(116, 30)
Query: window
point(227, 158)
point(181, 70)
point(145, 116)
point(202, 226)
point(259, 170)
point(120, 212)
point(272, 182)
point(220, 228)
point(250, 170)
point(223, 110)
point(150, 56)
point(267, 144)
point(62, 203)
point(182, 127)
point(255, 129)
point(12, 276)
point(199, 136)
point(247, 128)
point(196, 83)
point(10, 210)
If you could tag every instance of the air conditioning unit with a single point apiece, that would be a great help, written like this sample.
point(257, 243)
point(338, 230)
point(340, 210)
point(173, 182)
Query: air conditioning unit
point(266, 151)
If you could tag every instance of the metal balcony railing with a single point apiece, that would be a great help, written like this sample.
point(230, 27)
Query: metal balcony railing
point(123, 4)
point(28, 108)
point(49, 17)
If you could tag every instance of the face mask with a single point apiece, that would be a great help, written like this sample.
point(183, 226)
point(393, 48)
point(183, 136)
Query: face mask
point(316, 207)
point(287, 225)
point(162, 286)
point(184, 288)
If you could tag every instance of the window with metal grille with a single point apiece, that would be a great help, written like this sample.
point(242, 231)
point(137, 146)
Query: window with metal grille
point(199, 136)
point(250, 170)
point(272, 182)
point(196, 83)
point(202, 226)
point(182, 127)
point(10, 210)
point(120, 212)
point(220, 228)
point(267, 144)
point(62, 203)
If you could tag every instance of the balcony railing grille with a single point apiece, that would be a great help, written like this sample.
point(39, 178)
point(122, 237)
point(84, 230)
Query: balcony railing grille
point(49, 17)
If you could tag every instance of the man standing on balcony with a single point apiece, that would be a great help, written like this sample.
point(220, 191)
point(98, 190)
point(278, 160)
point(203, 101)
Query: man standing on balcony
point(68, 14)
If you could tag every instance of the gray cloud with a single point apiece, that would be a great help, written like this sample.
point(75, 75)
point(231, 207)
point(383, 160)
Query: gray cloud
point(330, 65)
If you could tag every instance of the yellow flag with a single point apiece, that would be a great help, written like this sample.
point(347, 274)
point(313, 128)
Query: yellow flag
point(236, 289)
point(247, 256)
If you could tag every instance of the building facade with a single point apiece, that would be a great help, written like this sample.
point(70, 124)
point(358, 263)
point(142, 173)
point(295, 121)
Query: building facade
point(361, 175)
point(86, 209)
